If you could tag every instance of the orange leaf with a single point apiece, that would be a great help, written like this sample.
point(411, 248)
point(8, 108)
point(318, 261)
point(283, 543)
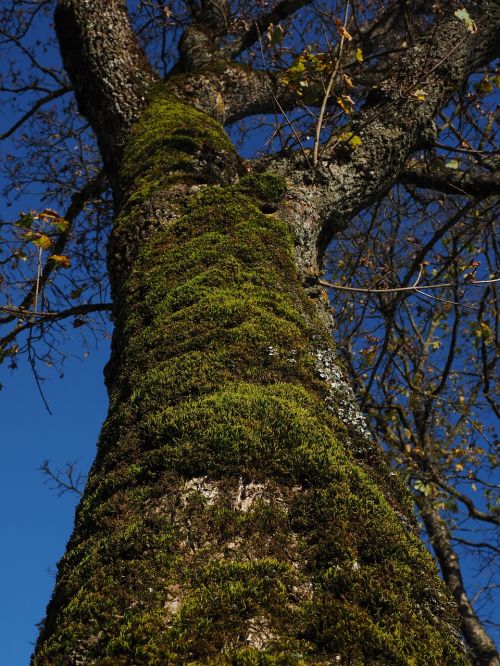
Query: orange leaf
point(343, 33)
point(345, 104)
point(60, 260)
point(52, 217)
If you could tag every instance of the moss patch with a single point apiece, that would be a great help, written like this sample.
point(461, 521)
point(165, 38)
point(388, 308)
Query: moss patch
point(167, 140)
point(267, 188)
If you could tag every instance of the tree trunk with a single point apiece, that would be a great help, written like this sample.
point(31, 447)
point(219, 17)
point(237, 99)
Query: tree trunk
point(237, 511)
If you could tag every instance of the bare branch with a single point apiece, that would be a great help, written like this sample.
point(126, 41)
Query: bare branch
point(63, 481)
point(452, 181)
point(391, 290)
point(281, 11)
point(472, 627)
point(32, 319)
point(474, 512)
point(37, 105)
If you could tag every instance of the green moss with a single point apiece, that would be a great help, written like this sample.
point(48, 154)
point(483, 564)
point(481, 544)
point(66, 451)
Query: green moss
point(267, 188)
point(167, 137)
point(216, 397)
point(171, 143)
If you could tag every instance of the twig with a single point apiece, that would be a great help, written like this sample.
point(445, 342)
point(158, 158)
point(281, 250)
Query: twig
point(38, 279)
point(31, 359)
point(37, 105)
point(466, 150)
point(275, 100)
point(28, 315)
point(446, 300)
point(65, 480)
point(414, 288)
point(328, 90)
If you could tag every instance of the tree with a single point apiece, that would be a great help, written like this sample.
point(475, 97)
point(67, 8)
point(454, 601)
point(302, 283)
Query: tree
point(238, 510)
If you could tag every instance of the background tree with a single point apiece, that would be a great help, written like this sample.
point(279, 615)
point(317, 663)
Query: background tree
point(213, 274)
point(424, 367)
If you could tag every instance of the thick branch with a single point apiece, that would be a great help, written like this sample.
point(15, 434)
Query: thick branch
point(401, 122)
point(214, 16)
point(282, 11)
point(106, 66)
point(232, 91)
point(452, 181)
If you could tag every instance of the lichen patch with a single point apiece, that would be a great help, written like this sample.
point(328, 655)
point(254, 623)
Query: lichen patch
point(207, 489)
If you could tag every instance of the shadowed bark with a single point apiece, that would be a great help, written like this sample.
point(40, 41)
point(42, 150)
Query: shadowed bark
point(453, 181)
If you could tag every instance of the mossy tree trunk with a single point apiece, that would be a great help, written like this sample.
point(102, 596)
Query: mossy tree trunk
point(238, 511)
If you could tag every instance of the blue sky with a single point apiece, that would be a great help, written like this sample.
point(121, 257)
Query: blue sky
point(36, 523)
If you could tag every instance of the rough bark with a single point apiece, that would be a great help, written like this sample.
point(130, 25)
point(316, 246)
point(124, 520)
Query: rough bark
point(350, 179)
point(238, 510)
point(479, 184)
point(109, 73)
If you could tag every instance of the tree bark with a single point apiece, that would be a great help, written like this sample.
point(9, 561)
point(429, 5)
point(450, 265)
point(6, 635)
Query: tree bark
point(237, 507)
point(238, 510)
point(109, 72)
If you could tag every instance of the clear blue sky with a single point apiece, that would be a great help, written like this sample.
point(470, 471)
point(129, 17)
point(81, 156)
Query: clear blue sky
point(36, 523)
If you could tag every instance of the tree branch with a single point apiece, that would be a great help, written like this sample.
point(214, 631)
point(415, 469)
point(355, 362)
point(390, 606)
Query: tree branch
point(350, 179)
point(230, 91)
point(452, 181)
point(37, 105)
point(109, 71)
point(34, 317)
point(233, 91)
point(467, 501)
point(472, 628)
point(392, 290)
point(282, 11)
point(67, 480)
